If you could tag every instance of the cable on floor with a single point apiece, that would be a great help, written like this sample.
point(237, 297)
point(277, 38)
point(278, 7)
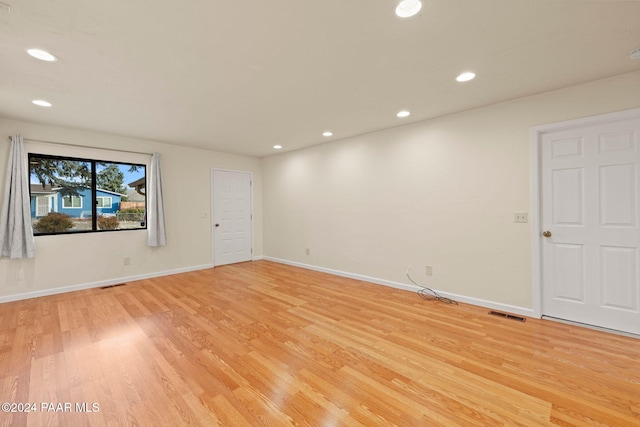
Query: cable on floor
point(428, 293)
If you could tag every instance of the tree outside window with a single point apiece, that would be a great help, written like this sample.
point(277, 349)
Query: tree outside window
point(71, 195)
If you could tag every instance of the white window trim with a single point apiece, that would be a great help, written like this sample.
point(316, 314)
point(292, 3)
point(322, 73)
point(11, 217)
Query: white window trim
point(64, 205)
point(105, 206)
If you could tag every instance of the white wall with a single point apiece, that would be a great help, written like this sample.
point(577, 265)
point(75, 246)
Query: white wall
point(67, 261)
point(440, 192)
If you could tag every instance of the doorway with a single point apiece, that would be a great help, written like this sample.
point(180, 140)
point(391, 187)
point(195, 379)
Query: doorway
point(231, 216)
point(586, 232)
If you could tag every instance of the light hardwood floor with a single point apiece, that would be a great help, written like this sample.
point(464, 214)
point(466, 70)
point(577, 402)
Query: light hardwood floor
point(264, 344)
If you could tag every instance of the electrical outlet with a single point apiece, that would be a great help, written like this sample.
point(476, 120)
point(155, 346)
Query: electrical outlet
point(308, 251)
point(127, 261)
point(520, 217)
point(428, 270)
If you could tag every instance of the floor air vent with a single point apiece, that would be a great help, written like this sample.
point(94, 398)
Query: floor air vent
point(113, 286)
point(507, 316)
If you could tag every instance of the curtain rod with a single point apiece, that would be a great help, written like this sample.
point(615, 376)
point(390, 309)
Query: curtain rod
point(82, 146)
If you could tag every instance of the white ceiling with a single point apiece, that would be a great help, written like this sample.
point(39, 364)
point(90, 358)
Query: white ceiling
point(241, 76)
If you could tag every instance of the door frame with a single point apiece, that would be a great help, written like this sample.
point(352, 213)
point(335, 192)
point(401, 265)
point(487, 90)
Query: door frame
point(212, 219)
point(536, 188)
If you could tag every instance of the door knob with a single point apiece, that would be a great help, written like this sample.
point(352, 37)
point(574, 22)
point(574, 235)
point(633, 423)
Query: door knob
point(546, 233)
point(217, 225)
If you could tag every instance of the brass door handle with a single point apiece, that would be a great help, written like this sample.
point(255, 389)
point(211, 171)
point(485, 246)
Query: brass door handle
point(546, 233)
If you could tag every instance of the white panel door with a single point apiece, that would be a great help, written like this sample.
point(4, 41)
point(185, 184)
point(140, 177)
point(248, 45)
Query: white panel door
point(232, 238)
point(590, 256)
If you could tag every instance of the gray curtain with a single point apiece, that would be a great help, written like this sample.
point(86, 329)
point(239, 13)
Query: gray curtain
point(16, 232)
point(155, 205)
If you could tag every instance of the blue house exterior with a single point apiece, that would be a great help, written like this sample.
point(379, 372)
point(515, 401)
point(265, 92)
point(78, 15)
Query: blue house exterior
point(44, 201)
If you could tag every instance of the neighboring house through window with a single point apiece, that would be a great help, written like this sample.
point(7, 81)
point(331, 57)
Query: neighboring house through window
point(70, 195)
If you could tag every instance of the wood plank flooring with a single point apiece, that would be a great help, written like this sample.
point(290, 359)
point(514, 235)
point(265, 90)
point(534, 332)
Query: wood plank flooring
point(264, 344)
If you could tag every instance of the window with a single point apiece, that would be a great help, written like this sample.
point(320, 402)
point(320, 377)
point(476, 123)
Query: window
point(73, 195)
point(70, 202)
point(103, 202)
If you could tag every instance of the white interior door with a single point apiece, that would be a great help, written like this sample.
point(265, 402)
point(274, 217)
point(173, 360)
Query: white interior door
point(232, 218)
point(590, 257)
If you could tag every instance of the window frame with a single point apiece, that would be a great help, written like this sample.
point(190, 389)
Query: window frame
point(92, 186)
point(102, 205)
point(72, 197)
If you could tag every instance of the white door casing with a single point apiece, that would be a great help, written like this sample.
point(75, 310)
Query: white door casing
point(232, 216)
point(588, 195)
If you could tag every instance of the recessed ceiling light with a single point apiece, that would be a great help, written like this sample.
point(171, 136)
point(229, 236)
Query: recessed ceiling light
point(42, 103)
point(466, 76)
point(408, 8)
point(327, 133)
point(277, 147)
point(43, 55)
point(403, 113)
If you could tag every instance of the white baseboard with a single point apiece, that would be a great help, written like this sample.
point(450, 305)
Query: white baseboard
point(46, 292)
point(410, 287)
point(403, 286)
